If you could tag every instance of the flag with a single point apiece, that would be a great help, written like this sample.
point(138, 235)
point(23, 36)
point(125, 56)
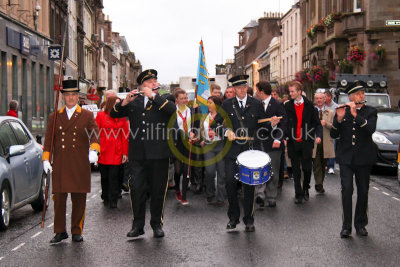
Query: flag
point(203, 91)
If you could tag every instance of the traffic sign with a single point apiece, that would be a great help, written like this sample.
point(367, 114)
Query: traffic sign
point(55, 52)
point(393, 22)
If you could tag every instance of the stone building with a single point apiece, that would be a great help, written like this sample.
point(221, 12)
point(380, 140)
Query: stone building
point(349, 24)
point(26, 74)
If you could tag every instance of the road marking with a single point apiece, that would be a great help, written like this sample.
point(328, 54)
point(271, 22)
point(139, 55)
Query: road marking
point(1, 258)
point(99, 191)
point(376, 188)
point(94, 196)
point(385, 193)
point(51, 225)
point(18, 247)
point(66, 214)
point(35, 235)
point(396, 198)
point(87, 200)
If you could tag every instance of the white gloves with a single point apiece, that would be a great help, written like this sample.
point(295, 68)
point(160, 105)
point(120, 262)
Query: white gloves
point(47, 166)
point(93, 156)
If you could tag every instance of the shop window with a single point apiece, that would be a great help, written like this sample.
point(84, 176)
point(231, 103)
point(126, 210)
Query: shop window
point(3, 80)
point(33, 86)
point(14, 69)
point(24, 104)
point(41, 91)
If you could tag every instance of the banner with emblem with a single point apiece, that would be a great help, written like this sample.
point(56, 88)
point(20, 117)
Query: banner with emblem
point(203, 91)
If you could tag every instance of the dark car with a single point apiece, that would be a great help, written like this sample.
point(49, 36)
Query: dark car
point(21, 169)
point(387, 136)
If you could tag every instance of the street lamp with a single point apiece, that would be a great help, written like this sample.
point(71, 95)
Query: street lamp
point(36, 14)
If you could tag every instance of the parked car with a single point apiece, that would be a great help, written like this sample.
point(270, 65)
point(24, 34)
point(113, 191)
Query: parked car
point(387, 136)
point(21, 170)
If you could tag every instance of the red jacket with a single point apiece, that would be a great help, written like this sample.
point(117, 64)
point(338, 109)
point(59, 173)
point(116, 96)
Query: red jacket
point(12, 113)
point(114, 134)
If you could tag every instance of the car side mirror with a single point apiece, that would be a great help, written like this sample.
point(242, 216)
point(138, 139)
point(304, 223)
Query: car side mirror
point(16, 150)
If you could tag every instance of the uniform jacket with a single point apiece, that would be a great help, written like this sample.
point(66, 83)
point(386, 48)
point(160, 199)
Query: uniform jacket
point(354, 137)
point(327, 140)
point(148, 138)
point(310, 127)
point(72, 140)
point(252, 113)
point(275, 108)
point(114, 134)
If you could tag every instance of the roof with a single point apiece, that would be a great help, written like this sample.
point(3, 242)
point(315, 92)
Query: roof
point(124, 44)
point(251, 24)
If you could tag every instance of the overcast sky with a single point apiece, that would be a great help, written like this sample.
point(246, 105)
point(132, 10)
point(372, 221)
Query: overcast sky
point(165, 34)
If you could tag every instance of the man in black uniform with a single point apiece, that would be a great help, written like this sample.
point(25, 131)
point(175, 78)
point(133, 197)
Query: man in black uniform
point(149, 153)
point(244, 113)
point(353, 126)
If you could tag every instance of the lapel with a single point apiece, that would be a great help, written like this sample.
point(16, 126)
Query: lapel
point(140, 102)
point(248, 104)
point(268, 110)
point(236, 105)
point(293, 111)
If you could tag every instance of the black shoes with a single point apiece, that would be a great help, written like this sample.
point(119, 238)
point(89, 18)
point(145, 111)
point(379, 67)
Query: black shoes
point(260, 201)
point(362, 231)
point(59, 237)
point(319, 188)
point(136, 231)
point(250, 227)
point(298, 200)
point(271, 203)
point(158, 232)
point(77, 238)
point(345, 233)
point(113, 204)
point(232, 224)
point(306, 195)
point(210, 200)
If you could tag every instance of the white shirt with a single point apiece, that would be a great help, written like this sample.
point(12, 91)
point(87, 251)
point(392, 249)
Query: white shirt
point(299, 102)
point(266, 102)
point(146, 99)
point(71, 111)
point(207, 128)
point(186, 113)
point(244, 100)
point(321, 109)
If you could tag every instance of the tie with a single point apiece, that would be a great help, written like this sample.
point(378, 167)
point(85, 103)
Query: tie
point(264, 105)
point(241, 105)
point(320, 114)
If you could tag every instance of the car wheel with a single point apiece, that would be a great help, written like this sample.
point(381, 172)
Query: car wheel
point(37, 205)
point(5, 206)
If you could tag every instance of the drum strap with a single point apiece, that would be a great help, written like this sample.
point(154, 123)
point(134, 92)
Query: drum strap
point(241, 123)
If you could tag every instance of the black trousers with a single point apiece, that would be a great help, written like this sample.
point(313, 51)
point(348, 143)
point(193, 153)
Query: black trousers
point(231, 169)
point(301, 157)
point(181, 169)
point(361, 173)
point(149, 176)
point(110, 182)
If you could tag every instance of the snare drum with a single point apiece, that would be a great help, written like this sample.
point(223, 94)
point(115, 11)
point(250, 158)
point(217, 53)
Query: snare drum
point(254, 167)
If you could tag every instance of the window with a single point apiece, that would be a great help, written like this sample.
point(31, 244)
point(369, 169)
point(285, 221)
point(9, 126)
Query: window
point(3, 80)
point(1, 150)
point(14, 77)
point(41, 91)
point(7, 137)
point(357, 5)
point(22, 136)
point(33, 85)
point(295, 28)
point(24, 104)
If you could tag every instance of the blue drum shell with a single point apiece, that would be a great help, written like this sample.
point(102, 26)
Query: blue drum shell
point(254, 176)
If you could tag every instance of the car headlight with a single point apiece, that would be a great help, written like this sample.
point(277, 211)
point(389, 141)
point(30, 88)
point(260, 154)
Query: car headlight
point(382, 84)
point(370, 83)
point(379, 138)
point(343, 83)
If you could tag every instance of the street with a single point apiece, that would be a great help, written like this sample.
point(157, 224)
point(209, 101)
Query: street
point(288, 235)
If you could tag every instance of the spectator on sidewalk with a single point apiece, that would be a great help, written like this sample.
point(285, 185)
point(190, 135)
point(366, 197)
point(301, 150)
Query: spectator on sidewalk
point(13, 111)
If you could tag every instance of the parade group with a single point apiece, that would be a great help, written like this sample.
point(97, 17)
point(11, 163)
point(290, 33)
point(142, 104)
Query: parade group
point(290, 136)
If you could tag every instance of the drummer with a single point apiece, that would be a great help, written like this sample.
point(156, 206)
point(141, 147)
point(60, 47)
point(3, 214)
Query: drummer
point(243, 113)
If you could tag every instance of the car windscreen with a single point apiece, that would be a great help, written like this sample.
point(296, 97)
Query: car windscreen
point(388, 121)
point(372, 100)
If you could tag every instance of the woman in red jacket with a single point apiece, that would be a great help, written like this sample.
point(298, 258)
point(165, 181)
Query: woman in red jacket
point(114, 134)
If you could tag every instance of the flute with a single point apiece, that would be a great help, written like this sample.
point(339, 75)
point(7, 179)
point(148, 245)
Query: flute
point(141, 93)
point(357, 103)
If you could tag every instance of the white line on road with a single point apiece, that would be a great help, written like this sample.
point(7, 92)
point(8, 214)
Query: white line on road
point(18, 247)
point(51, 225)
point(66, 214)
point(396, 198)
point(385, 193)
point(99, 191)
point(1, 258)
point(87, 200)
point(35, 235)
point(376, 188)
point(94, 196)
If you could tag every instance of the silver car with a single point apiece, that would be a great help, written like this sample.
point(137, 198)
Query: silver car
point(21, 179)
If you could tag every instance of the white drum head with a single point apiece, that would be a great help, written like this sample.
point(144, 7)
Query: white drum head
point(253, 159)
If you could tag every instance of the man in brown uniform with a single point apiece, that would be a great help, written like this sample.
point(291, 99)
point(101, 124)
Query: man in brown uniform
point(75, 129)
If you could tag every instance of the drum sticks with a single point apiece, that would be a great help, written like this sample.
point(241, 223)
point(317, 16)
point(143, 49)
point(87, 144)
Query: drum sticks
point(267, 119)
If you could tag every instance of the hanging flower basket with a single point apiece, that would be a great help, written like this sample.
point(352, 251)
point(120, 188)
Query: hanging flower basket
point(301, 76)
point(314, 29)
point(356, 55)
point(315, 74)
point(378, 54)
point(345, 66)
point(331, 18)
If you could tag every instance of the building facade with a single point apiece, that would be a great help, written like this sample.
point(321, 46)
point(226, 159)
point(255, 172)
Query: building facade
point(26, 74)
